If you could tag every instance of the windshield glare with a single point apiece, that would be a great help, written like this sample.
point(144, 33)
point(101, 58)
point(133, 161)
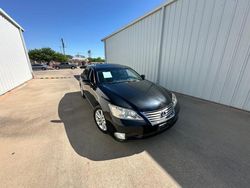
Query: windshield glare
point(118, 75)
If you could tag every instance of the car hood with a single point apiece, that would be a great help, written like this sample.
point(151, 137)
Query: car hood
point(141, 95)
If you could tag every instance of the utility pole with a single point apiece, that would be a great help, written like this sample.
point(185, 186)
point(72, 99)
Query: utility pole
point(63, 46)
point(89, 53)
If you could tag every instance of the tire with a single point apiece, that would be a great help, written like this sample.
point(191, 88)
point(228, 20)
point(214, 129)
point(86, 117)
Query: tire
point(43, 68)
point(57, 68)
point(102, 124)
point(72, 67)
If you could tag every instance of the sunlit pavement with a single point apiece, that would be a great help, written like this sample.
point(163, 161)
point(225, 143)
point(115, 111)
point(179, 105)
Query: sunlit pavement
point(48, 139)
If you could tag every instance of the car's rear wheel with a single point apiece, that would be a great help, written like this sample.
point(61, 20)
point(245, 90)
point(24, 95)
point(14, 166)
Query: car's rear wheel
point(100, 119)
point(72, 67)
point(57, 68)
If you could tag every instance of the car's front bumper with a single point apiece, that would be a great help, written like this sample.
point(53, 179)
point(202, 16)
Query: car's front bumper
point(149, 130)
point(140, 129)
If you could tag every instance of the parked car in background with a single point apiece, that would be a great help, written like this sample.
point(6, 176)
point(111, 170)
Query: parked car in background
point(39, 67)
point(125, 104)
point(83, 66)
point(65, 65)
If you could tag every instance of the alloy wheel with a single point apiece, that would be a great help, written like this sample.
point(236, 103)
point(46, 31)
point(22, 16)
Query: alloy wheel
point(100, 120)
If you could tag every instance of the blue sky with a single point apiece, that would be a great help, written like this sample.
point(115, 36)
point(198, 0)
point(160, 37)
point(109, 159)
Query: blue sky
point(81, 23)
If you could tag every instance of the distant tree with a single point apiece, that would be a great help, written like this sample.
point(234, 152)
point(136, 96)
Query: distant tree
point(47, 55)
point(97, 59)
point(60, 57)
point(69, 56)
point(36, 55)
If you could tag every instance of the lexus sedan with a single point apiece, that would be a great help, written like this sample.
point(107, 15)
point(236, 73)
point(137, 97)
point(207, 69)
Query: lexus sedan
point(125, 104)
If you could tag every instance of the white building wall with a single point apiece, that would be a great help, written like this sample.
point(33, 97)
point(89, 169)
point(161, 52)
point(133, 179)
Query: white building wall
point(203, 51)
point(14, 64)
point(137, 46)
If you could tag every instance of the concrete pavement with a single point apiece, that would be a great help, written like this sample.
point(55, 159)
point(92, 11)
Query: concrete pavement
point(48, 139)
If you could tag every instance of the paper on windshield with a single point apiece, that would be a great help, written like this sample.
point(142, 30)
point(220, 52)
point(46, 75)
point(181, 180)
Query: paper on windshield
point(106, 74)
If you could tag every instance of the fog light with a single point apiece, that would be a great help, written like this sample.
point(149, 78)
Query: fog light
point(120, 136)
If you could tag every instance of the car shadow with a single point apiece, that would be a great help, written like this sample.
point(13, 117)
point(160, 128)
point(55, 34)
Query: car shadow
point(194, 152)
point(86, 139)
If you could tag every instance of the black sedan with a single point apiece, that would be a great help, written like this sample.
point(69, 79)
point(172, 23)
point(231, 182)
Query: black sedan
point(125, 104)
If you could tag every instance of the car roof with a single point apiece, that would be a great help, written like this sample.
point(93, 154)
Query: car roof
point(107, 66)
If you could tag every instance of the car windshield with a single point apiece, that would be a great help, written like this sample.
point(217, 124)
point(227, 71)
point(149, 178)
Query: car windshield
point(118, 75)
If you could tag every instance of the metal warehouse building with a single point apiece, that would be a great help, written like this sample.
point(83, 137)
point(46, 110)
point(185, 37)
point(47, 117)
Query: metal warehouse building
point(196, 47)
point(15, 68)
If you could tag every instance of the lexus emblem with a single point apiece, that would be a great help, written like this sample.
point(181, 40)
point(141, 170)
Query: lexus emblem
point(164, 113)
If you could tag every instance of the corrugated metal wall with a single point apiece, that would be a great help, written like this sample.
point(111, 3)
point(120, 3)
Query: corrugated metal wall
point(203, 51)
point(137, 46)
point(14, 67)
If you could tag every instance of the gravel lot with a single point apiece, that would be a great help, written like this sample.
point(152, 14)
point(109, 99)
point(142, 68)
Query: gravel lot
point(48, 139)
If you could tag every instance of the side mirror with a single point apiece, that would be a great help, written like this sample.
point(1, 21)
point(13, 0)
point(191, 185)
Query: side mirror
point(84, 78)
point(143, 76)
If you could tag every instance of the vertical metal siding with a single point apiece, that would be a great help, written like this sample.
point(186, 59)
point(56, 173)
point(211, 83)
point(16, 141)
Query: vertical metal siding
point(205, 49)
point(14, 68)
point(137, 46)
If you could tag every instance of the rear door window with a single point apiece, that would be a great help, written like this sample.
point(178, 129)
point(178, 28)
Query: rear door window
point(91, 76)
point(85, 74)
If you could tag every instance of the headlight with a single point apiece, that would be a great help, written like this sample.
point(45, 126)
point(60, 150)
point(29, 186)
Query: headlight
point(174, 99)
point(123, 113)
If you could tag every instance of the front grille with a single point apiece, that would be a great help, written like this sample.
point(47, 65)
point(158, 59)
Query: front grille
point(160, 116)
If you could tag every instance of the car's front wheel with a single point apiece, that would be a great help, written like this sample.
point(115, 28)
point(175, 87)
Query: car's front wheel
point(100, 119)
point(72, 67)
